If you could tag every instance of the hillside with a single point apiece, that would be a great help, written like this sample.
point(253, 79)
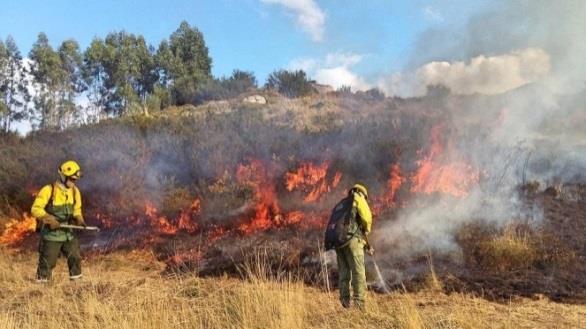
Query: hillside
point(479, 219)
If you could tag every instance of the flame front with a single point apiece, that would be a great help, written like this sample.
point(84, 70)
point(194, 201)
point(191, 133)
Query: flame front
point(267, 212)
point(16, 230)
point(393, 184)
point(305, 188)
point(312, 179)
point(183, 222)
point(433, 175)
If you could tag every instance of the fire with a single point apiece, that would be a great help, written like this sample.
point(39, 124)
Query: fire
point(312, 179)
point(16, 230)
point(185, 257)
point(185, 218)
point(393, 184)
point(105, 221)
point(267, 212)
point(455, 178)
point(216, 233)
point(184, 222)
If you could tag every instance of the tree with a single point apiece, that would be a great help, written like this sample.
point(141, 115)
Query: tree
point(95, 77)
point(72, 83)
point(225, 88)
point(13, 85)
point(184, 62)
point(58, 80)
point(48, 78)
point(129, 73)
point(3, 74)
point(290, 84)
point(241, 81)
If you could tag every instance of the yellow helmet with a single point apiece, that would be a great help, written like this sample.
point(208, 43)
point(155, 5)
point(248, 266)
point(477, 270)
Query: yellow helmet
point(70, 169)
point(360, 188)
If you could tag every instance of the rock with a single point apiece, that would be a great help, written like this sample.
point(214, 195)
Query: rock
point(322, 89)
point(255, 99)
point(552, 191)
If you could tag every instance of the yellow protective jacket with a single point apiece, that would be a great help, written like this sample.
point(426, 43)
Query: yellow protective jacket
point(65, 205)
point(364, 215)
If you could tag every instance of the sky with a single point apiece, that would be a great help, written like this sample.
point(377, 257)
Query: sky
point(338, 42)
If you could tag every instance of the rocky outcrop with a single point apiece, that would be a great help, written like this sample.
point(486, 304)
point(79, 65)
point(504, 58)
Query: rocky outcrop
point(255, 99)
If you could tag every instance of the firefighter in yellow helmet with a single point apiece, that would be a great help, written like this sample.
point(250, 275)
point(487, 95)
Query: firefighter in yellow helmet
point(351, 256)
point(56, 204)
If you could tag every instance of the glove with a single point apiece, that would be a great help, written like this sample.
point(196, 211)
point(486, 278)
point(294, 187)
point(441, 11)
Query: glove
point(80, 221)
point(51, 221)
point(369, 250)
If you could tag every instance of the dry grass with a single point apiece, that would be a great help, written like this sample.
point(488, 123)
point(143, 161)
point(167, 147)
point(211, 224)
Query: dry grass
point(509, 251)
point(126, 290)
point(513, 248)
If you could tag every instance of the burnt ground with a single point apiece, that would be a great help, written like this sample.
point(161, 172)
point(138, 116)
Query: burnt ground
point(557, 272)
point(557, 269)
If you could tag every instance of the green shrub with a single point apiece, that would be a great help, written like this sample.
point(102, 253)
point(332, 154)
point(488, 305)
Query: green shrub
point(290, 84)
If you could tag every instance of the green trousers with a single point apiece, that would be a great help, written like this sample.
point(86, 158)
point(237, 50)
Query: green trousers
point(49, 252)
point(351, 269)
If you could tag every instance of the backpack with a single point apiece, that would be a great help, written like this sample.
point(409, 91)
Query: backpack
point(342, 226)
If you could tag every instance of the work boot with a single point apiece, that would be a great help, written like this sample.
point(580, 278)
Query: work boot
point(75, 277)
point(345, 303)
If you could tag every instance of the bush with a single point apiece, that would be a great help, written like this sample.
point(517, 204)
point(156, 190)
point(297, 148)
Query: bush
point(373, 94)
point(344, 91)
point(290, 84)
point(225, 88)
point(513, 248)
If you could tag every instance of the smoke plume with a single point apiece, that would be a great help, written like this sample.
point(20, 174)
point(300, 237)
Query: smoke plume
point(529, 55)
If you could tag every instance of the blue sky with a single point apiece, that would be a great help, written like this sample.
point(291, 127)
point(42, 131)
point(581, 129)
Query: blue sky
point(351, 40)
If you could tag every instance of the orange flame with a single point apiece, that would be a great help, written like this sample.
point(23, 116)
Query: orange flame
point(432, 176)
point(166, 226)
point(185, 218)
point(16, 230)
point(105, 221)
point(216, 233)
point(189, 256)
point(312, 178)
point(267, 213)
point(266, 210)
point(393, 184)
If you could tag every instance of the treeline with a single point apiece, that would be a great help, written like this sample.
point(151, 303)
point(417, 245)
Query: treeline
point(118, 75)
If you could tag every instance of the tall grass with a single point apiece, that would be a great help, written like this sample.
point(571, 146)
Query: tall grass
point(128, 291)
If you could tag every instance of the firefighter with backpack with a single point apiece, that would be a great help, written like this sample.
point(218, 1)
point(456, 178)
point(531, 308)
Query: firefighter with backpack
point(56, 204)
point(347, 232)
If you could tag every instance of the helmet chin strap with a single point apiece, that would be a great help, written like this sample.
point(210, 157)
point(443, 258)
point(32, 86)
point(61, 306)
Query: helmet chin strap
point(63, 179)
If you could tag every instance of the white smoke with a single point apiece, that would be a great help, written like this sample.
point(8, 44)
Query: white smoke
point(529, 56)
point(487, 75)
point(334, 70)
point(556, 27)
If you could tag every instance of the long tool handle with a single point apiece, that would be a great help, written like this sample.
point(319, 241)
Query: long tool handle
point(78, 227)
